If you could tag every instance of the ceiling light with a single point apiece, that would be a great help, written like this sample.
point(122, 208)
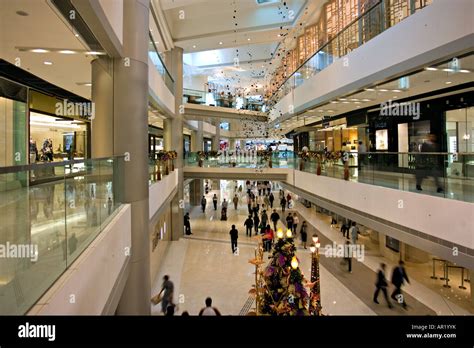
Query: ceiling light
point(464, 71)
point(396, 91)
point(220, 42)
point(370, 89)
point(448, 70)
point(358, 106)
point(395, 97)
point(345, 102)
point(357, 102)
point(342, 99)
point(67, 52)
point(39, 50)
point(278, 35)
point(248, 39)
point(47, 63)
point(334, 102)
point(95, 53)
point(448, 82)
point(366, 100)
point(383, 90)
point(194, 46)
point(321, 110)
point(354, 99)
point(431, 69)
point(88, 84)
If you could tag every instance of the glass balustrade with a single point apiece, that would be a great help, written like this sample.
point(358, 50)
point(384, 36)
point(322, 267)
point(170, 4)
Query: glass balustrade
point(369, 24)
point(448, 175)
point(50, 213)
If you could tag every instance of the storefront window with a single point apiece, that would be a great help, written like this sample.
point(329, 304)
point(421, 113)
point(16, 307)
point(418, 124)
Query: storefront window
point(460, 130)
point(56, 139)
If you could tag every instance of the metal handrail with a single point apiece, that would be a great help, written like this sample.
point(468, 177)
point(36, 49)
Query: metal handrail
point(42, 165)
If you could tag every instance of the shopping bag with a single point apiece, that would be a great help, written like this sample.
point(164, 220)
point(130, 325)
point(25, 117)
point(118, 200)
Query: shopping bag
point(156, 299)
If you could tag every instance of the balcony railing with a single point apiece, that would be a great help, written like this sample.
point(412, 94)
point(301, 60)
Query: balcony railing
point(374, 21)
point(448, 175)
point(50, 213)
point(160, 65)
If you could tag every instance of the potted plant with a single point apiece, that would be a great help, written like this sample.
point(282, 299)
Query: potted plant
point(172, 155)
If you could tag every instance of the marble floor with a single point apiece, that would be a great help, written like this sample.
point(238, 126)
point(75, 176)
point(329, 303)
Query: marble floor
point(203, 265)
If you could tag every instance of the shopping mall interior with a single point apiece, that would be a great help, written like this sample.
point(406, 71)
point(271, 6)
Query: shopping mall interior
point(282, 158)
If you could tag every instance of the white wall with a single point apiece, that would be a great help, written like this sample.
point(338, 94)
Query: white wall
point(158, 89)
point(447, 219)
point(113, 10)
point(92, 276)
point(427, 35)
point(160, 191)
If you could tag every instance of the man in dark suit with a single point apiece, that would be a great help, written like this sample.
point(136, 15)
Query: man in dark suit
point(399, 275)
point(234, 235)
point(381, 284)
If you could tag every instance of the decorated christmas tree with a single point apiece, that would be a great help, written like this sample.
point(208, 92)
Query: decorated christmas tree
point(285, 292)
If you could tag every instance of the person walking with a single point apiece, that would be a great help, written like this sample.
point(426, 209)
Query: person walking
point(361, 150)
point(249, 203)
point(248, 226)
point(345, 229)
point(283, 204)
point(381, 285)
point(348, 256)
point(234, 235)
point(256, 223)
point(266, 201)
point(235, 200)
point(187, 224)
point(296, 221)
point(304, 233)
point(354, 231)
point(167, 288)
point(203, 204)
point(209, 310)
point(268, 238)
point(430, 164)
point(288, 199)
point(214, 201)
point(271, 199)
point(399, 276)
point(269, 187)
point(275, 217)
point(264, 221)
point(289, 222)
point(281, 194)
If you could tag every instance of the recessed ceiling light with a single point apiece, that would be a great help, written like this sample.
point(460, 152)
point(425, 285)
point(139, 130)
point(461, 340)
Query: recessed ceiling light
point(464, 71)
point(278, 35)
point(220, 42)
point(334, 102)
point(248, 39)
point(88, 84)
point(357, 102)
point(431, 69)
point(366, 100)
point(354, 99)
point(448, 70)
point(448, 82)
point(383, 90)
point(194, 46)
point(39, 50)
point(370, 89)
point(48, 63)
point(95, 53)
point(67, 52)
point(345, 102)
point(342, 99)
point(396, 91)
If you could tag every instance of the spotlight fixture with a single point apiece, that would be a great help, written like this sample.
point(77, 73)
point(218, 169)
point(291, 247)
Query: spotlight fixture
point(47, 63)
point(67, 52)
point(39, 50)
